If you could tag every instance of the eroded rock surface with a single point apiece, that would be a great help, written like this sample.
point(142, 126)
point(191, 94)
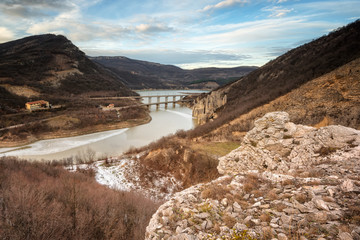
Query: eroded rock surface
point(205, 108)
point(286, 181)
point(276, 144)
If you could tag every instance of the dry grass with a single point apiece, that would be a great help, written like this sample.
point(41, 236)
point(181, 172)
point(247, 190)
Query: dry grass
point(272, 195)
point(215, 148)
point(215, 191)
point(267, 233)
point(265, 217)
point(251, 182)
point(301, 198)
point(229, 221)
point(324, 151)
point(280, 207)
point(258, 193)
point(288, 182)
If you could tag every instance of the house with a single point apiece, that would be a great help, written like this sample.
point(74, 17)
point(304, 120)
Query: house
point(37, 105)
point(111, 105)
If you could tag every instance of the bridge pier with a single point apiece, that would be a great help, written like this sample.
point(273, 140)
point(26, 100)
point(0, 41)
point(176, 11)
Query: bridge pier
point(150, 102)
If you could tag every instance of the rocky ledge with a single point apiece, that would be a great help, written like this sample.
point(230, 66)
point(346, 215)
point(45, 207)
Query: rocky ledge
point(286, 181)
point(205, 108)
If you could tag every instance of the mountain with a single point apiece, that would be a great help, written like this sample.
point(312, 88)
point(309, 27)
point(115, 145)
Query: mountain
point(280, 76)
point(138, 74)
point(50, 68)
point(326, 95)
point(50, 65)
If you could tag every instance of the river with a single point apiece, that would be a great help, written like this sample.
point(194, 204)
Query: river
point(114, 142)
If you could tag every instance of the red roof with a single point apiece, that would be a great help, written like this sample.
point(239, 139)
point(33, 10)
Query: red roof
point(37, 102)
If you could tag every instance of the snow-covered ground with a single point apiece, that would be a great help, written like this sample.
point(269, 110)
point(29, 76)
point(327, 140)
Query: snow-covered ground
point(123, 174)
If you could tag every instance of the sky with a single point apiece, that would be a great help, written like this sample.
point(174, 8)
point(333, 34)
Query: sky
point(186, 33)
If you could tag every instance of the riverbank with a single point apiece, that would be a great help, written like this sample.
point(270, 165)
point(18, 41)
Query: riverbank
point(75, 132)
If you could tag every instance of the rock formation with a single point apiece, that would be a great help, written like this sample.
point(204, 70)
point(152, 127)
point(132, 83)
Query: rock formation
point(286, 181)
point(277, 144)
point(205, 107)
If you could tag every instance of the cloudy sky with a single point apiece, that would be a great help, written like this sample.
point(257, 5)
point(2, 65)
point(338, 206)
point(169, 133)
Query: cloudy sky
point(186, 33)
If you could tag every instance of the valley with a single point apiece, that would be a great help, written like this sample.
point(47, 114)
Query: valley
point(272, 154)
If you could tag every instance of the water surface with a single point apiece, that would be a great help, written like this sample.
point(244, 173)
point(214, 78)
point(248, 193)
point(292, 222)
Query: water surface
point(164, 121)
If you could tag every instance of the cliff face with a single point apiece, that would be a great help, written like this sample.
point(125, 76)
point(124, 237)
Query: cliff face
point(286, 181)
point(205, 108)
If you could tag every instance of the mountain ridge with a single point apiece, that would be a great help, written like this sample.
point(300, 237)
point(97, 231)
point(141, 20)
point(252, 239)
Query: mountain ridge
point(139, 74)
point(280, 76)
point(51, 65)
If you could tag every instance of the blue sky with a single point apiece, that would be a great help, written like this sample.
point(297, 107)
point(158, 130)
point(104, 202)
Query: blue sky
point(186, 33)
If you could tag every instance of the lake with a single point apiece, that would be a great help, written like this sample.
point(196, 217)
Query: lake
point(114, 142)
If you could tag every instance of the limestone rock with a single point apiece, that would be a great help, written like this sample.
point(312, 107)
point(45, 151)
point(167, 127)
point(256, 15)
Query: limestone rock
point(345, 236)
point(304, 178)
point(276, 144)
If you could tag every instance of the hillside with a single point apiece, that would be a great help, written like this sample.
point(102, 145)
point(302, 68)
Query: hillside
point(142, 74)
point(285, 181)
point(333, 98)
point(50, 66)
point(280, 76)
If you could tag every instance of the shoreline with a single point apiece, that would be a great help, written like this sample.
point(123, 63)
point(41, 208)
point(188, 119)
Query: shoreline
point(77, 132)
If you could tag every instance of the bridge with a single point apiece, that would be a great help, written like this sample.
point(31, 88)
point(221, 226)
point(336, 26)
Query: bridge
point(158, 101)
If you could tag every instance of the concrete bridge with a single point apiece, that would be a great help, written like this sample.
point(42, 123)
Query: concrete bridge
point(175, 99)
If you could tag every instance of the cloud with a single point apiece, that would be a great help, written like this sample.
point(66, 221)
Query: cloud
point(38, 3)
point(5, 35)
point(277, 1)
point(223, 4)
point(22, 11)
point(153, 28)
point(277, 11)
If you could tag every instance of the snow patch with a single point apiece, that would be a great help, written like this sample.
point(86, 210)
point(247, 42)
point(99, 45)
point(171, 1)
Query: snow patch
point(124, 175)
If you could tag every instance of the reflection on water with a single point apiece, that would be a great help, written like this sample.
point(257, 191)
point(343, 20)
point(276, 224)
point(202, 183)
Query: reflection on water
point(111, 143)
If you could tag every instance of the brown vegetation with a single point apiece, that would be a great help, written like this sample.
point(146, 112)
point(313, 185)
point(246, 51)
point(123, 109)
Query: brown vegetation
point(39, 201)
point(174, 155)
point(289, 72)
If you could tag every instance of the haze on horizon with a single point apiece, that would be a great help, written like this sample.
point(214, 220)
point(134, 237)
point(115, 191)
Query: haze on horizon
point(186, 33)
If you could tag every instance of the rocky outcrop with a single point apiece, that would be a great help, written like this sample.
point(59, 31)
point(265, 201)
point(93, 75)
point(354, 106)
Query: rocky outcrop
point(276, 144)
point(286, 181)
point(205, 107)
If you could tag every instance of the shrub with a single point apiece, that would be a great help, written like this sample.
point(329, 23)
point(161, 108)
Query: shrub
point(40, 201)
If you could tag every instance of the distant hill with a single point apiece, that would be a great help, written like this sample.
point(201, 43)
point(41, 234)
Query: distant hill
point(280, 76)
point(138, 74)
point(50, 65)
